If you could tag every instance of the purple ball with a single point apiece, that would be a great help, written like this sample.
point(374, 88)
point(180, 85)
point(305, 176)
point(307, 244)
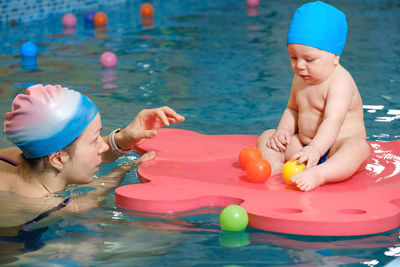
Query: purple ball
point(89, 16)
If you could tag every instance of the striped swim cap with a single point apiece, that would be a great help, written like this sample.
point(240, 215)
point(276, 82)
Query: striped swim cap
point(47, 118)
point(319, 25)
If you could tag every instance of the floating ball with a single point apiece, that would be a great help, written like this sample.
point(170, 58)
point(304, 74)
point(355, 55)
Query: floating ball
point(100, 19)
point(252, 3)
point(69, 20)
point(258, 170)
point(28, 49)
point(291, 168)
point(233, 218)
point(247, 154)
point(108, 59)
point(89, 15)
point(146, 10)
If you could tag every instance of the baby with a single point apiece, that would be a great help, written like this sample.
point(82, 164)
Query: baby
point(323, 119)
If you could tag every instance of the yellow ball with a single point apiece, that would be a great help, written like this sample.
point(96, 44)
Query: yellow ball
point(290, 168)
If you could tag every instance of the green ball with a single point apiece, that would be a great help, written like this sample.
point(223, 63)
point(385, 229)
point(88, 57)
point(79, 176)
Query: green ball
point(233, 218)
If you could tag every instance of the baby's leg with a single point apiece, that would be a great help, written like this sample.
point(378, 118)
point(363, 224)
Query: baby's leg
point(347, 156)
point(275, 158)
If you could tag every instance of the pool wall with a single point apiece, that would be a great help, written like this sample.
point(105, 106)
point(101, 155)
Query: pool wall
point(14, 11)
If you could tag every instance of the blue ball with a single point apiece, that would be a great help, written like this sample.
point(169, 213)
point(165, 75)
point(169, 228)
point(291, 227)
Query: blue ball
point(28, 49)
point(89, 16)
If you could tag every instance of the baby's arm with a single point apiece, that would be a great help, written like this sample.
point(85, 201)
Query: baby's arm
point(338, 102)
point(283, 134)
point(286, 128)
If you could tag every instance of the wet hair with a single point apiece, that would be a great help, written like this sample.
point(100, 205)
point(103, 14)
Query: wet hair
point(42, 164)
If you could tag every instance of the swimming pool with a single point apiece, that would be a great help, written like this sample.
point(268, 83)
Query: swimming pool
point(226, 71)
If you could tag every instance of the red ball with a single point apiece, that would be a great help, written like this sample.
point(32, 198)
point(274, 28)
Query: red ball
point(258, 170)
point(247, 154)
point(100, 19)
point(146, 10)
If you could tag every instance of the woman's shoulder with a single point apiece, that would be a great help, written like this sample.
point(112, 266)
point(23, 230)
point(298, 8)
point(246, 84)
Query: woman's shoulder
point(9, 159)
point(8, 175)
point(11, 153)
point(18, 210)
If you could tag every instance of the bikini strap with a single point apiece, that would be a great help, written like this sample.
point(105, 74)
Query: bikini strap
point(43, 215)
point(10, 161)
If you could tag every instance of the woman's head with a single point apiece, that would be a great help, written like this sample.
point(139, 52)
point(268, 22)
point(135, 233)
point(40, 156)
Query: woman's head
point(47, 118)
point(58, 130)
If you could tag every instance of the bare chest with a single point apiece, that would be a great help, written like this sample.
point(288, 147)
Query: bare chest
point(311, 98)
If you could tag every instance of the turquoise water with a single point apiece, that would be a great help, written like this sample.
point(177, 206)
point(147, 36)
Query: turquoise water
point(227, 72)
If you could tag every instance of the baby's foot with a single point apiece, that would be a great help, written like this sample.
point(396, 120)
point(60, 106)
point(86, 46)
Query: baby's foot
point(307, 180)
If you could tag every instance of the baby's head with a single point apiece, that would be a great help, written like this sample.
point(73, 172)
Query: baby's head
point(319, 25)
point(316, 37)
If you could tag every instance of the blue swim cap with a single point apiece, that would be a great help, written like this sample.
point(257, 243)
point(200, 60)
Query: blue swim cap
point(319, 25)
point(47, 118)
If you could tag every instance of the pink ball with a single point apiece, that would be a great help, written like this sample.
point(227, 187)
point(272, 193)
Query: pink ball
point(253, 3)
point(108, 59)
point(69, 20)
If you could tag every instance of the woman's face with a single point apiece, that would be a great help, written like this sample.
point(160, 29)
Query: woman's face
point(85, 158)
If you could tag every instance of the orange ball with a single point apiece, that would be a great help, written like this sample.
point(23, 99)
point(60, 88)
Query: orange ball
point(100, 18)
point(247, 154)
point(258, 170)
point(146, 10)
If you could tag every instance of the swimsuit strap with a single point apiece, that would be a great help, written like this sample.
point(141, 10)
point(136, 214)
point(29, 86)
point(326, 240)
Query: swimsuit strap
point(64, 203)
point(10, 161)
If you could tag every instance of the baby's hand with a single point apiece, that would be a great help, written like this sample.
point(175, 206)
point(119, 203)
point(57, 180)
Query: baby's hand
point(279, 140)
point(309, 154)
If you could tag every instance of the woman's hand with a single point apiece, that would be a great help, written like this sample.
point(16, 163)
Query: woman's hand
point(146, 124)
point(279, 140)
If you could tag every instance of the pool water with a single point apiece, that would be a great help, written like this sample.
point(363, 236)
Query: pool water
point(225, 68)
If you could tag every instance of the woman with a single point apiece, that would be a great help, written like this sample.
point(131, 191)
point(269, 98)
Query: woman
point(58, 132)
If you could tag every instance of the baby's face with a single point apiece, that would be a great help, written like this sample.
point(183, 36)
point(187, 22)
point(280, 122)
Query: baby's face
point(312, 64)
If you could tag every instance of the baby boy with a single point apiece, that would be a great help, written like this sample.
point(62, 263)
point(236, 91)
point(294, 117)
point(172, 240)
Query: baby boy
point(323, 123)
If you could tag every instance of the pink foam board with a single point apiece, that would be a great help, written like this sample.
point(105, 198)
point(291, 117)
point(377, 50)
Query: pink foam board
point(193, 170)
